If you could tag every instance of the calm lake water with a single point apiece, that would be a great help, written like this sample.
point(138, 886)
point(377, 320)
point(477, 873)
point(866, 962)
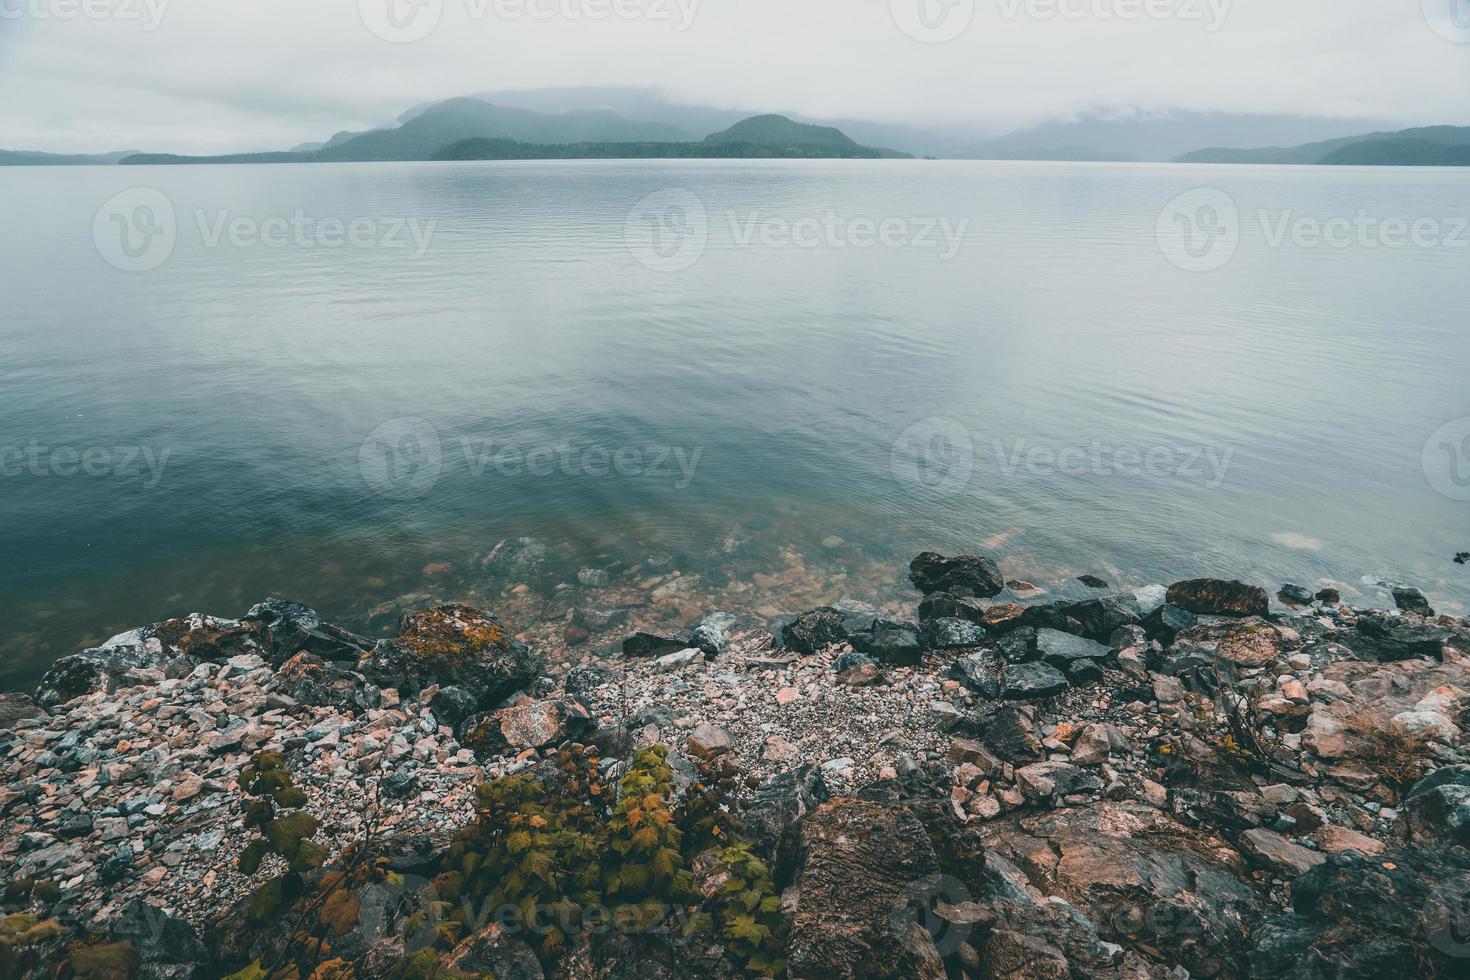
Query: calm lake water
point(220, 383)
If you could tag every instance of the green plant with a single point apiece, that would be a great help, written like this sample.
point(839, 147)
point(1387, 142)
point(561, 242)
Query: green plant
point(284, 834)
point(113, 961)
point(747, 911)
point(20, 935)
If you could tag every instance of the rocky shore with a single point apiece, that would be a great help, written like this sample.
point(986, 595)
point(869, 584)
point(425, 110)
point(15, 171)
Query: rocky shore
point(1200, 779)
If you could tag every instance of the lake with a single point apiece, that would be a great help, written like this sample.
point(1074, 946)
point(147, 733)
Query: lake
point(345, 384)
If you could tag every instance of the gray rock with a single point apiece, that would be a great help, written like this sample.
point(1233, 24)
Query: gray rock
point(1024, 682)
point(954, 634)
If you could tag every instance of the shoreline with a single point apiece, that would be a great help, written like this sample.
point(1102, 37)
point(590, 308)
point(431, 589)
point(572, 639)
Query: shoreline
point(1066, 720)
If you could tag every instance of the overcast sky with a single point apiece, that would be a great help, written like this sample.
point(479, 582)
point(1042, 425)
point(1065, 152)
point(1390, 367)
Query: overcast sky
point(226, 75)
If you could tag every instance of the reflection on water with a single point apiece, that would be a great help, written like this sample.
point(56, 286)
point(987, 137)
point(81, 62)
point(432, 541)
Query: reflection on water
point(787, 425)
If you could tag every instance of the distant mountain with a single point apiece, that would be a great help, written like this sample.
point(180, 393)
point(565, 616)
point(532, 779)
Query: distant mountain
point(460, 119)
point(34, 158)
point(739, 142)
point(159, 159)
point(1425, 146)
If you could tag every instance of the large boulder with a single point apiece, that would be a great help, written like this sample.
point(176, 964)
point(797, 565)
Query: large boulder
point(1100, 618)
point(1231, 644)
point(1027, 682)
point(456, 646)
point(168, 947)
point(1062, 650)
point(1387, 638)
point(860, 865)
point(777, 809)
point(1217, 597)
point(313, 681)
point(1394, 916)
point(1437, 808)
point(16, 708)
point(293, 628)
point(894, 644)
point(964, 575)
point(815, 631)
point(1142, 879)
point(126, 660)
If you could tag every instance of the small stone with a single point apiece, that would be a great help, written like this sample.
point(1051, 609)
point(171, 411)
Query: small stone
point(708, 741)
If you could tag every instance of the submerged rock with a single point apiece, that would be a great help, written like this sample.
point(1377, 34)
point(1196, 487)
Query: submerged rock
point(965, 575)
point(1218, 597)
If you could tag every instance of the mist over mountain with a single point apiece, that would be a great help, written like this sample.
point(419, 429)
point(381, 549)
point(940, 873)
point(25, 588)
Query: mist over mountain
point(1423, 146)
point(35, 158)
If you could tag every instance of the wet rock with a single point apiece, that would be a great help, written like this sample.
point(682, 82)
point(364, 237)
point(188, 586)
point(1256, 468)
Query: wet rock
point(1394, 916)
point(858, 862)
point(1045, 780)
point(1167, 622)
point(1410, 599)
point(1388, 639)
point(543, 723)
point(1277, 853)
point(1100, 618)
point(1295, 595)
point(495, 953)
point(1240, 643)
point(515, 560)
point(452, 705)
point(294, 628)
point(1061, 650)
point(857, 670)
point(894, 644)
point(1220, 598)
point(642, 644)
point(1093, 582)
point(456, 646)
point(1024, 682)
point(1329, 596)
point(814, 631)
point(593, 618)
point(1083, 673)
point(1010, 733)
point(980, 672)
point(125, 660)
point(400, 785)
point(17, 707)
point(965, 575)
point(310, 680)
point(168, 947)
point(589, 677)
point(1437, 808)
point(779, 807)
point(1141, 877)
point(954, 634)
point(709, 741)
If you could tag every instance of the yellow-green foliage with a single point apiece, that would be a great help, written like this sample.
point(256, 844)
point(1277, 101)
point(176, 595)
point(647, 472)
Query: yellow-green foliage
point(19, 935)
point(114, 961)
point(268, 786)
point(748, 912)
